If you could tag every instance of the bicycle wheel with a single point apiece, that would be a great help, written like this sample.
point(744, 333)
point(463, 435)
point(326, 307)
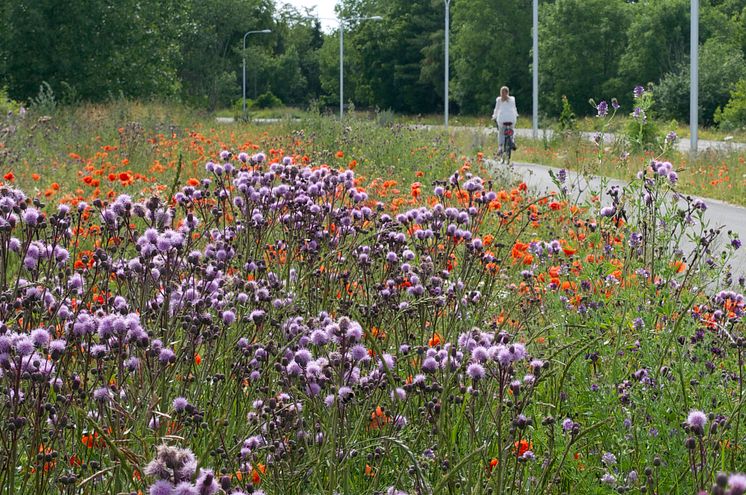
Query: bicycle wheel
point(509, 149)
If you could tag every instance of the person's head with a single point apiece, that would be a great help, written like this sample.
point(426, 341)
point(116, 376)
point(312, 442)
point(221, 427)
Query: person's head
point(504, 92)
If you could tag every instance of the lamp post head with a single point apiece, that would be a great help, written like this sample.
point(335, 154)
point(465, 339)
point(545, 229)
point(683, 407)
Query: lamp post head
point(367, 18)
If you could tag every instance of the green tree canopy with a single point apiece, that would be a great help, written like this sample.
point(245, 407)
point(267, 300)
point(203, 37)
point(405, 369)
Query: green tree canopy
point(581, 43)
point(491, 51)
point(93, 48)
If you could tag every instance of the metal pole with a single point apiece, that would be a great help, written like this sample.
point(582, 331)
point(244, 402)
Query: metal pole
point(448, 29)
point(341, 69)
point(243, 114)
point(244, 79)
point(694, 82)
point(342, 55)
point(535, 56)
point(263, 31)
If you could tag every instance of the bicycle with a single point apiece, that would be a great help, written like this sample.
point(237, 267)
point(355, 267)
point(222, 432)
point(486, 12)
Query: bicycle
point(509, 145)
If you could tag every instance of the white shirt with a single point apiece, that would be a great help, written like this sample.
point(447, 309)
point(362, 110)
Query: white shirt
point(505, 111)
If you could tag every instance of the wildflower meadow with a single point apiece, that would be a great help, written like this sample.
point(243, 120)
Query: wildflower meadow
point(324, 307)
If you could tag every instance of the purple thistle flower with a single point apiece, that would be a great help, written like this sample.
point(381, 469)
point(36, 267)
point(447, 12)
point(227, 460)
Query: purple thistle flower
point(206, 483)
point(359, 352)
point(697, 420)
point(737, 484)
point(607, 211)
point(354, 332)
point(608, 459)
point(102, 394)
point(24, 346)
point(504, 357)
point(519, 351)
point(399, 393)
point(132, 363)
point(638, 91)
point(40, 337)
point(30, 216)
point(302, 357)
point(166, 356)
point(602, 108)
point(185, 488)
point(429, 365)
point(608, 479)
point(567, 424)
point(387, 362)
point(57, 347)
point(475, 371)
point(179, 404)
point(699, 204)
point(161, 487)
point(229, 317)
point(319, 337)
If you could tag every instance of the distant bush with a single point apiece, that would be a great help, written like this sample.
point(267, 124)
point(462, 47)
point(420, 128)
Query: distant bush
point(567, 116)
point(267, 100)
point(721, 65)
point(733, 115)
point(7, 105)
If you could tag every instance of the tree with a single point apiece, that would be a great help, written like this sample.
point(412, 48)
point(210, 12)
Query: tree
point(581, 44)
point(734, 113)
point(492, 48)
point(721, 66)
point(93, 48)
point(211, 47)
point(658, 41)
point(291, 69)
point(394, 54)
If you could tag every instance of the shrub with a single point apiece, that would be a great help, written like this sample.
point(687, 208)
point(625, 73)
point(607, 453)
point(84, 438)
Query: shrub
point(721, 66)
point(567, 116)
point(734, 113)
point(7, 105)
point(267, 100)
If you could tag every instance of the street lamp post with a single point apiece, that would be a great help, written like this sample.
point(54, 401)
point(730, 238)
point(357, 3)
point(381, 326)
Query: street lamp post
point(447, 77)
point(535, 70)
point(341, 57)
point(694, 76)
point(263, 31)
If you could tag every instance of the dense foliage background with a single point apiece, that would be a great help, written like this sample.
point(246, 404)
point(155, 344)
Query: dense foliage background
point(192, 51)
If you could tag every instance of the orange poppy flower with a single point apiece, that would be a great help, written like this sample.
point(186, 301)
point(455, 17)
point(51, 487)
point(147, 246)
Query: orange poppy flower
point(522, 447)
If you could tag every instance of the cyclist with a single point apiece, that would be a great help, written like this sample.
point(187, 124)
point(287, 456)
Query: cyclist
point(505, 113)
